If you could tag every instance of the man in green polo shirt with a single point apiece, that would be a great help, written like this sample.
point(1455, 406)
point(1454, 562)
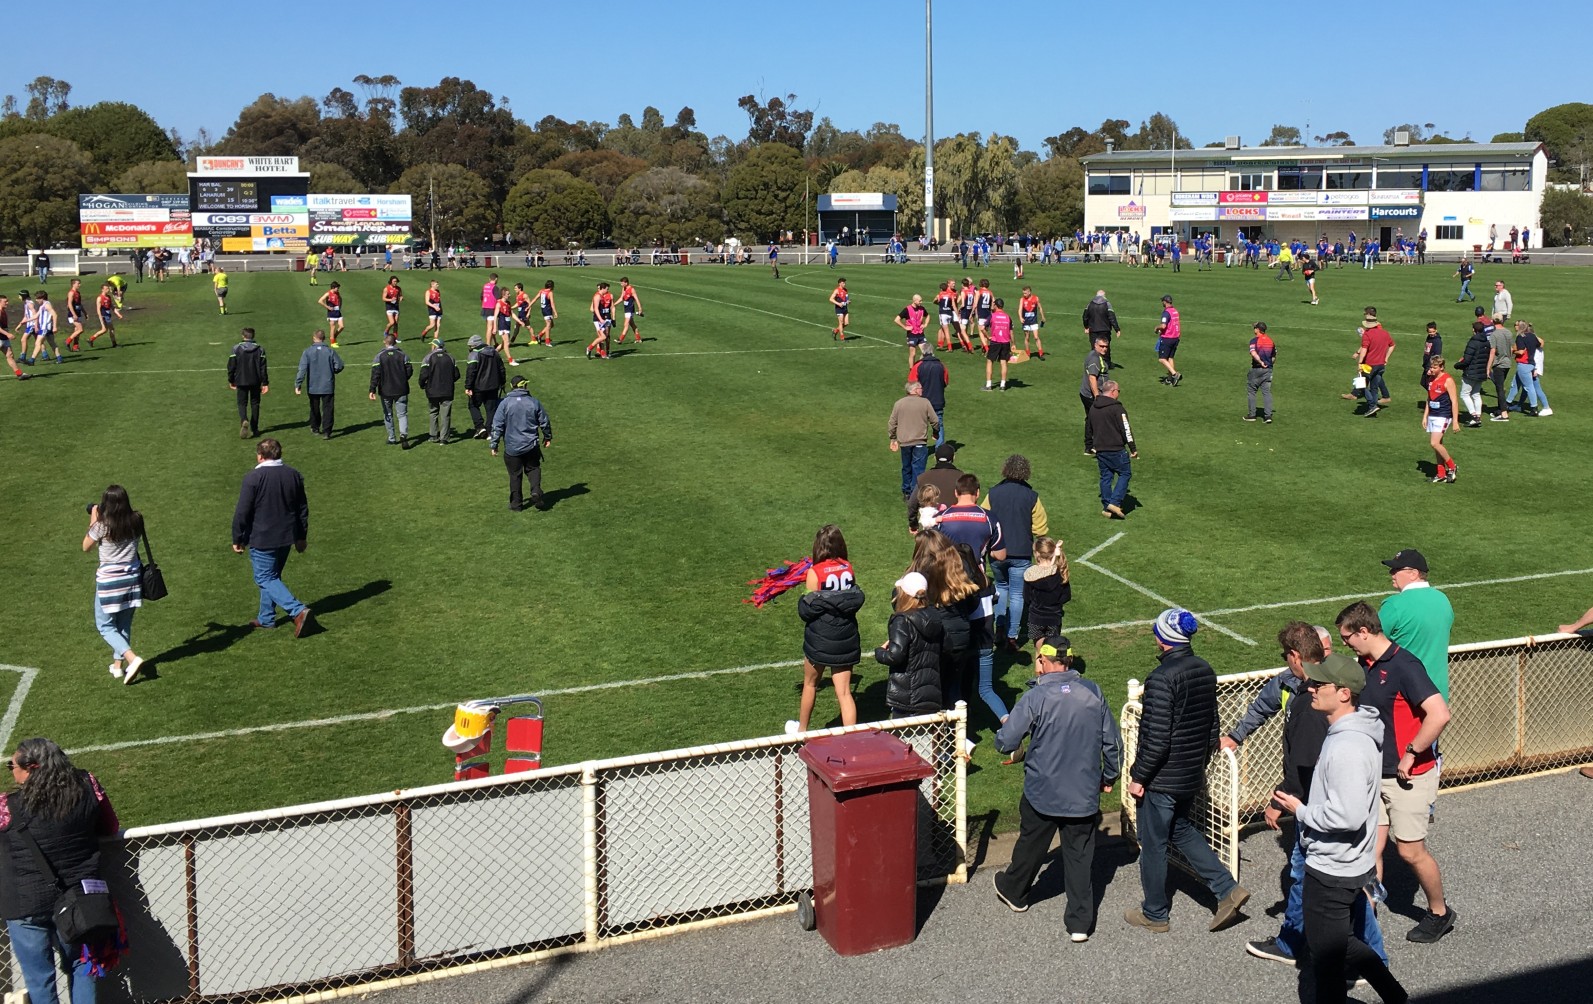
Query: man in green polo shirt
point(1418, 617)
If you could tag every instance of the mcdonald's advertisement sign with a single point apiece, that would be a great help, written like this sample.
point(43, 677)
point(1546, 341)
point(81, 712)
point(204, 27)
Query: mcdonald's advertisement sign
point(134, 221)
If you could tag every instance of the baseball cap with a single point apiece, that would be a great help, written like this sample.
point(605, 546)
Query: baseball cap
point(517, 382)
point(1053, 646)
point(1408, 558)
point(913, 584)
point(1340, 671)
point(946, 452)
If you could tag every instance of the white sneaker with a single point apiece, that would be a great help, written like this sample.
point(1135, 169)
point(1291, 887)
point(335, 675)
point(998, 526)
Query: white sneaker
point(1545, 412)
point(133, 666)
point(116, 671)
point(1078, 937)
point(792, 728)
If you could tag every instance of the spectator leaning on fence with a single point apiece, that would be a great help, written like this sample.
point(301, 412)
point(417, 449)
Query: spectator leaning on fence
point(1414, 714)
point(1074, 755)
point(1418, 616)
point(1177, 736)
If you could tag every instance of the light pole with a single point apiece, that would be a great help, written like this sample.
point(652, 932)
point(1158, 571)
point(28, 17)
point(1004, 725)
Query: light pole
point(929, 122)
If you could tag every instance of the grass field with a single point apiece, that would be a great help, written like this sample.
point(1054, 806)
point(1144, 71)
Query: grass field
point(684, 469)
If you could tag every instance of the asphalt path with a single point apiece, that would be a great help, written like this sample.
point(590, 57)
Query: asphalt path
point(1514, 859)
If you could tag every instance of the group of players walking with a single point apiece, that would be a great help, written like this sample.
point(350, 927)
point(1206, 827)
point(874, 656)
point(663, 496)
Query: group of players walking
point(41, 321)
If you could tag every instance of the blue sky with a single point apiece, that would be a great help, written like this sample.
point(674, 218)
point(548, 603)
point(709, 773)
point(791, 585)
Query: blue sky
point(1028, 68)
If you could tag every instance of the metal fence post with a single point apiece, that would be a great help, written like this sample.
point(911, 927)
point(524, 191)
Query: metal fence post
point(589, 851)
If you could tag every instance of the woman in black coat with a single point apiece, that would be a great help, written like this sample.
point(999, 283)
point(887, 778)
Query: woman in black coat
point(911, 652)
point(830, 639)
point(66, 812)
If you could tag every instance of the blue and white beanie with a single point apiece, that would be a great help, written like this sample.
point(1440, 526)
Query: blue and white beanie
point(1175, 626)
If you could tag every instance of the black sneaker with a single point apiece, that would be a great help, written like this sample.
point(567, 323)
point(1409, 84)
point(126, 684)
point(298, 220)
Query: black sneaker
point(1014, 907)
point(1271, 949)
point(1432, 927)
point(1374, 409)
point(1177, 379)
point(1267, 419)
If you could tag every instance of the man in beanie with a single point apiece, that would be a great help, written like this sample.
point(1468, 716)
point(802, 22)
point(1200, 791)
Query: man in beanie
point(523, 426)
point(484, 375)
point(438, 374)
point(1178, 733)
point(1337, 834)
point(1074, 755)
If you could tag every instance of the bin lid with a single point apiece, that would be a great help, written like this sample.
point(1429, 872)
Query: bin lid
point(863, 760)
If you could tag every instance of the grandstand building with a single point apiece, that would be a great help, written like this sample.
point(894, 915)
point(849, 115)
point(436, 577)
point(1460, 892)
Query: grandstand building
point(1455, 191)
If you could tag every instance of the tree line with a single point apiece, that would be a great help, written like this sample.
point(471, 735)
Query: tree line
point(475, 170)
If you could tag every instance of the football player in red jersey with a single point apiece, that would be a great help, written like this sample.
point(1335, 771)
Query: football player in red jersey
point(631, 304)
point(332, 300)
point(433, 312)
point(946, 306)
point(840, 299)
point(602, 320)
point(1032, 316)
point(550, 313)
point(391, 296)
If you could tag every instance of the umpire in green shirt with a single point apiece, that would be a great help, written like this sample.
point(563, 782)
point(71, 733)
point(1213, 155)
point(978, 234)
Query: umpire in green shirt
point(1418, 617)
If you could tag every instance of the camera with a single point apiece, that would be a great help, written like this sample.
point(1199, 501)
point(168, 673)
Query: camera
point(90, 508)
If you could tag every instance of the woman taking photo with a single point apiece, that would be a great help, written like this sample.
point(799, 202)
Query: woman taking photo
point(65, 812)
point(114, 526)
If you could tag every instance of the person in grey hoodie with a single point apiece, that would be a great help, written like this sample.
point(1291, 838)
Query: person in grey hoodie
point(438, 374)
point(318, 369)
point(522, 425)
point(1338, 832)
point(1074, 755)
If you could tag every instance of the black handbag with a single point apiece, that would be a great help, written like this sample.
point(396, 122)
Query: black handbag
point(150, 580)
point(84, 908)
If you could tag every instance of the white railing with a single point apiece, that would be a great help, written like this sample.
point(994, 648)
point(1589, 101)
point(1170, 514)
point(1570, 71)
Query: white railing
point(311, 899)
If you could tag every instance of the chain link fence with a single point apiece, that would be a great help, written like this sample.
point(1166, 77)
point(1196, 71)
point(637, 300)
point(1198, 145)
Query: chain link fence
point(1518, 709)
point(356, 892)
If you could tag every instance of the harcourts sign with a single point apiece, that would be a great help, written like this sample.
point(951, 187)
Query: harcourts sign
point(1396, 212)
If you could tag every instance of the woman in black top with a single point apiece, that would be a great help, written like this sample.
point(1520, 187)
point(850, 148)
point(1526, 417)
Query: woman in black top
point(66, 812)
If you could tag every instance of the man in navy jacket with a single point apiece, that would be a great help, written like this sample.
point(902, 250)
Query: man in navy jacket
point(273, 515)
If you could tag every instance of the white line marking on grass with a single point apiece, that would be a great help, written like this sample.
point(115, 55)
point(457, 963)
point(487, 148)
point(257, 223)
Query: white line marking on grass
point(26, 675)
point(771, 313)
point(1103, 545)
point(371, 716)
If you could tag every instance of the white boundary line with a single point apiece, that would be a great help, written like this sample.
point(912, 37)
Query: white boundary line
point(8, 722)
point(771, 313)
point(26, 675)
point(1108, 542)
point(370, 716)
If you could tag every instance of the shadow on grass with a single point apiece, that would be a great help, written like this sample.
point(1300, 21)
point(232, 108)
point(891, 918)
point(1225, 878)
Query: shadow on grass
point(342, 601)
point(557, 495)
point(212, 639)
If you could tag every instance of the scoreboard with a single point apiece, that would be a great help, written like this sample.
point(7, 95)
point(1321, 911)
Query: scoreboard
point(240, 212)
point(225, 196)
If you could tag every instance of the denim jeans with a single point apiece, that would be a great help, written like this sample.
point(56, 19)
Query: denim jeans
point(116, 629)
point(1527, 384)
point(1009, 593)
point(987, 681)
point(398, 406)
point(39, 950)
point(1115, 472)
point(274, 592)
point(1164, 819)
point(940, 419)
point(1376, 387)
point(1291, 936)
point(913, 460)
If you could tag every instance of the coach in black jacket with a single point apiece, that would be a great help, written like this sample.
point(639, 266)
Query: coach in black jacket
point(484, 376)
point(273, 515)
point(1178, 733)
point(390, 373)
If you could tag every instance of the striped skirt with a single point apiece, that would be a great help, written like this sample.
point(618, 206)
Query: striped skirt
point(118, 587)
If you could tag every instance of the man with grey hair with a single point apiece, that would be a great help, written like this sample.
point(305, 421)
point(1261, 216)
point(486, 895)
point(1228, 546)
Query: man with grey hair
point(912, 424)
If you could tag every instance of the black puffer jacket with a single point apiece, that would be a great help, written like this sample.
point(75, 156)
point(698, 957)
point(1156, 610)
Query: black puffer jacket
point(1178, 729)
point(830, 636)
point(72, 845)
point(912, 654)
point(1474, 360)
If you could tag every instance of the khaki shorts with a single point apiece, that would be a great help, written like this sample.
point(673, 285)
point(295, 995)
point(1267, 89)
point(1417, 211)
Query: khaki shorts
point(1406, 809)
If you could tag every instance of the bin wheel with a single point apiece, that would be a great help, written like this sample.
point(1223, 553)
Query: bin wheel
point(806, 919)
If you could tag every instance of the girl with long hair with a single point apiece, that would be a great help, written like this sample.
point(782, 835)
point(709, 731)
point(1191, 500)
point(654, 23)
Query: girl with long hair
point(114, 527)
point(911, 652)
point(830, 638)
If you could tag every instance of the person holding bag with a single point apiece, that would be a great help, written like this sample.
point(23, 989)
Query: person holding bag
point(50, 831)
point(115, 527)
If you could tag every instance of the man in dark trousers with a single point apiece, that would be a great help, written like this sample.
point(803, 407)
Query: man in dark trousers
point(318, 369)
point(1074, 755)
point(438, 374)
point(273, 515)
point(522, 425)
point(390, 373)
point(1178, 733)
point(1101, 319)
point(931, 372)
point(1114, 448)
point(247, 374)
point(484, 375)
